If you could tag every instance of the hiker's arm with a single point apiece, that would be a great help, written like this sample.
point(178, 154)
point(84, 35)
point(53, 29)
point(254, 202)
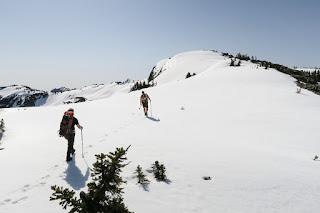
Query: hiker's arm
point(149, 98)
point(79, 126)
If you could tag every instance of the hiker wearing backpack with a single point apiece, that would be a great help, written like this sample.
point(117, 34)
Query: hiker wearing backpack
point(67, 130)
point(144, 102)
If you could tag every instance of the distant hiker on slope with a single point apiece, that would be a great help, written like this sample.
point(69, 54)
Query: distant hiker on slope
point(144, 102)
point(67, 130)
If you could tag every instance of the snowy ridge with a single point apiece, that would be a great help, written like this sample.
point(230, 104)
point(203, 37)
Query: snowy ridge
point(22, 96)
point(245, 127)
point(16, 96)
point(89, 93)
point(177, 67)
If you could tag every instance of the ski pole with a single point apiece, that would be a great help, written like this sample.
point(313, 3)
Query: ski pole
point(82, 142)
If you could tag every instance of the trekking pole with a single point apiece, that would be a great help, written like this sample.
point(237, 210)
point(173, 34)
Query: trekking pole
point(82, 143)
point(150, 108)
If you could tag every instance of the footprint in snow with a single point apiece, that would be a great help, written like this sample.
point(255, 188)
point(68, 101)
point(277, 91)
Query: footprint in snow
point(21, 199)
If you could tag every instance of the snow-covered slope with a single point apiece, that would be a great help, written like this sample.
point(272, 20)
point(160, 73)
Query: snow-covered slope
point(177, 67)
point(23, 96)
point(245, 127)
point(89, 93)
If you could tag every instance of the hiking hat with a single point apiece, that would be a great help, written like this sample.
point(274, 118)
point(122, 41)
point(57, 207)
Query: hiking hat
point(71, 109)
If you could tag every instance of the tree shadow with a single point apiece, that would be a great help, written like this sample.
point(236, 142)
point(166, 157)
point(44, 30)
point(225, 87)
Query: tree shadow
point(153, 119)
point(167, 181)
point(145, 187)
point(74, 177)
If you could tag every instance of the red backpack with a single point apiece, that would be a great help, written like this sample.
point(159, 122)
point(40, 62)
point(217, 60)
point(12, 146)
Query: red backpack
point(66, 124)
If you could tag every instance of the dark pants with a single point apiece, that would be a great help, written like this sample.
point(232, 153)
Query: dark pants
point(145, 104)
point(70, 151)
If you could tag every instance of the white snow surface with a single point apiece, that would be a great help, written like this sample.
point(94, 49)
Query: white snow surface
point(93, 92)
point(177, 67)
point(245, 127)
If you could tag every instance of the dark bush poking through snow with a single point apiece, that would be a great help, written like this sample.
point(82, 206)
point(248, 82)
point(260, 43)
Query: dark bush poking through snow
point(159, 171)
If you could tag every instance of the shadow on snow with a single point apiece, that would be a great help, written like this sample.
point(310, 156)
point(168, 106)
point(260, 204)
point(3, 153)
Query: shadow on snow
point(74, 177)
point(153, 119)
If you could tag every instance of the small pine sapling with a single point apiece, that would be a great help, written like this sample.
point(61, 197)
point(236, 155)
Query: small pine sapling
point(159, 171)
point(104, 192)
point(141, 176)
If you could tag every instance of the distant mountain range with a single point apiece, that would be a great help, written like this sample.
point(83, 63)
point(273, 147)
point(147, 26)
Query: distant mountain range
point(165, 71)
point(24, 96)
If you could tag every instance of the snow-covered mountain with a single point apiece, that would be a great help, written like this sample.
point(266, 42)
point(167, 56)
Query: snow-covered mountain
point(23, 96)
point(20, 96)
point(177, 67)
point(246, 127)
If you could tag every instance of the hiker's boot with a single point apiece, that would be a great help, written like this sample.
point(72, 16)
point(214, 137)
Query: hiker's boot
point(73, 151)
point(69, 158)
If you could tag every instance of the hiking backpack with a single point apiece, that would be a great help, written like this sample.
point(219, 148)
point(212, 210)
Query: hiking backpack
point(66, 124)
point(144, 97)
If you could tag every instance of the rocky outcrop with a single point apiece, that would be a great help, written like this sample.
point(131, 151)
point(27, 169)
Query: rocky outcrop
point(60, 90)
point(75, 100)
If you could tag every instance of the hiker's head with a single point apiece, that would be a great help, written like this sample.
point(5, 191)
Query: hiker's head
point(142, 92)
point(71, 110)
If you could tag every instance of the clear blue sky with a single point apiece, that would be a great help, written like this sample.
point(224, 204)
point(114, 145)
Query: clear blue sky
point(51, 43)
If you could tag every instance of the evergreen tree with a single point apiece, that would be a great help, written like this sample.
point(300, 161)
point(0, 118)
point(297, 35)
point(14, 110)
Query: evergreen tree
point(141, 176)
point(239, 63)
point(232, 63)
point(104, 192)
point(159, 171)
point(2, 126)
point(152, 74)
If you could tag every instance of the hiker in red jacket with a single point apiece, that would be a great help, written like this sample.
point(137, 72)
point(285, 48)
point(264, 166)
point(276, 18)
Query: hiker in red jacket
point(67, 130)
